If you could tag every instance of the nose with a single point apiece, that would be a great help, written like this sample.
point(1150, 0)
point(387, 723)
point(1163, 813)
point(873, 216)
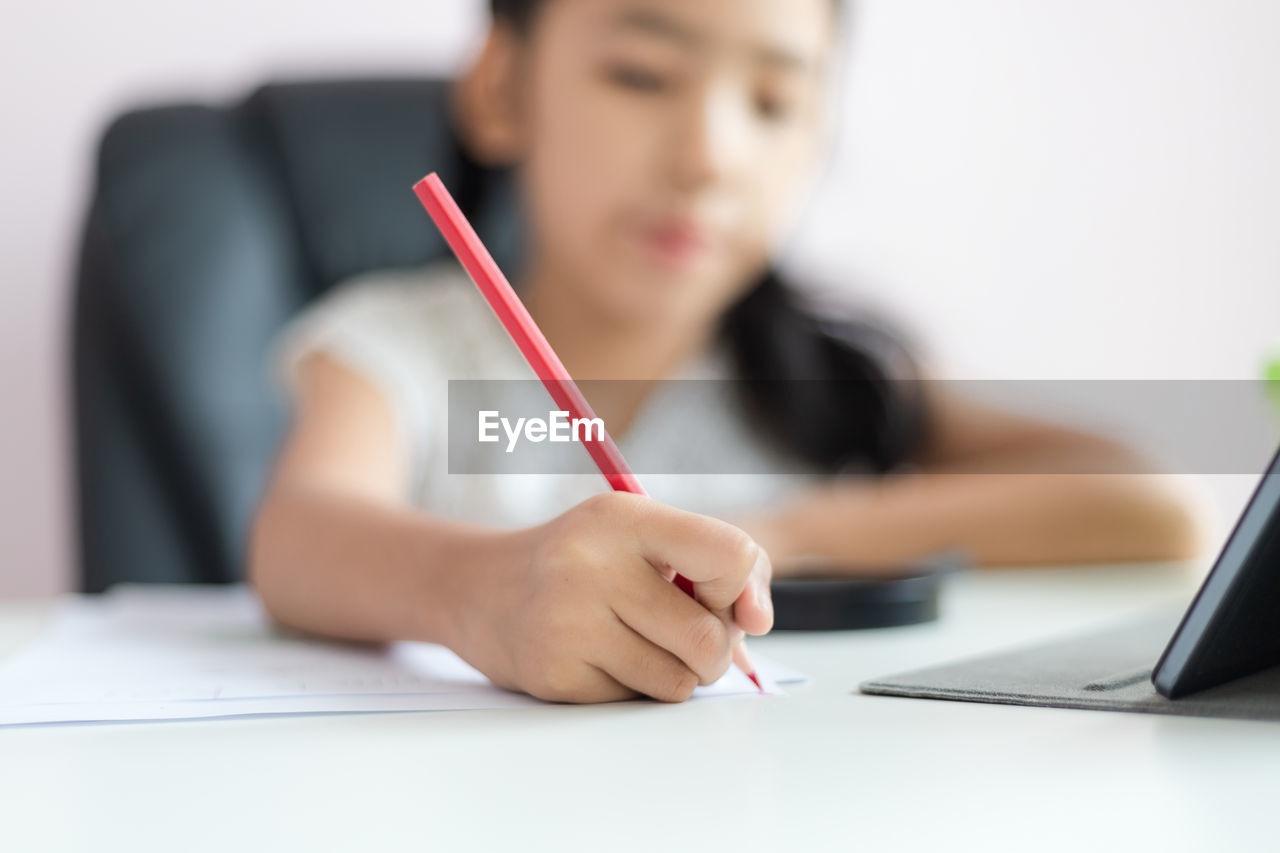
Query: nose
point(712, 142)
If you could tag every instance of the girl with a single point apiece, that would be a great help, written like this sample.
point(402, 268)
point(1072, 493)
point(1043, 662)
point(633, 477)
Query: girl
point(655, 142)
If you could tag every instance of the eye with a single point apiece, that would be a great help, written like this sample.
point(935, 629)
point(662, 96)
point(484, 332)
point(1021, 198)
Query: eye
point(637, 79)
point(774, 109)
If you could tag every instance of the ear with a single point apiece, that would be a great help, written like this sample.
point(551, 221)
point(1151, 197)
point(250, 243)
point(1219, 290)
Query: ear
point(486, 100)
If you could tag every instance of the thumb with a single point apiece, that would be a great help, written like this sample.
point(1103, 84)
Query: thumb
point(753, 609)
point(721, 560)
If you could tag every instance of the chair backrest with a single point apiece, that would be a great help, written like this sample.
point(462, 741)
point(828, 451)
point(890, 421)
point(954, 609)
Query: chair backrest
point(209, 227)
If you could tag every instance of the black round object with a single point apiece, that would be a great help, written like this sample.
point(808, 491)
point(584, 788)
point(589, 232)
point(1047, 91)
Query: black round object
point(883, 600)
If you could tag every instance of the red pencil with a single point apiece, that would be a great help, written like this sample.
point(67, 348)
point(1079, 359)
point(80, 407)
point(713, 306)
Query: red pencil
point(497, 291)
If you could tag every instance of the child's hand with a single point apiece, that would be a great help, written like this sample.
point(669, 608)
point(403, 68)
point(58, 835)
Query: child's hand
point(581, 609)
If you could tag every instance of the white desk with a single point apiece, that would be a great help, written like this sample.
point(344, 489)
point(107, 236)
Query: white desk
point(824, 768)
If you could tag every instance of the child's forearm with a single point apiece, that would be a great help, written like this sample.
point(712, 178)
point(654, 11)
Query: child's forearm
point(355, 568)
point(998, 519)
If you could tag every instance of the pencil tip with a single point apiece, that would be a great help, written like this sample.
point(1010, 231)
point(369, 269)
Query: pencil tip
point(756, 681)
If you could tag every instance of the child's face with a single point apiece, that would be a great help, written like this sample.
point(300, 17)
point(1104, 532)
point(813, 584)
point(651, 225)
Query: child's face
point(660, 142)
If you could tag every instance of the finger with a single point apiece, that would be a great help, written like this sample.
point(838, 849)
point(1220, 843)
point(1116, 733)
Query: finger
point(634, 662)
point(662, 614)
point(753, 609)
point(590, 683)
point(714, 554)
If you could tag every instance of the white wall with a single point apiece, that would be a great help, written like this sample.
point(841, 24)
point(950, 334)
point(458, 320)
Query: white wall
point(1065, 188)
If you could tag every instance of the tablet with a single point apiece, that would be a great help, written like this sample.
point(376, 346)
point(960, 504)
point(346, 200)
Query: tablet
point(1232, 627)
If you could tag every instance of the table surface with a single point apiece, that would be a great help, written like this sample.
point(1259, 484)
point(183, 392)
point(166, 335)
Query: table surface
point(822, 768)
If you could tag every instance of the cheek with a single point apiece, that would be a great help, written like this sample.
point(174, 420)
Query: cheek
point(777, 189)
point(581, 169)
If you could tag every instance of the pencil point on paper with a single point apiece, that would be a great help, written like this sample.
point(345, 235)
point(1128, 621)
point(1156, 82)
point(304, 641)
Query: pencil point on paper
point(743, 662)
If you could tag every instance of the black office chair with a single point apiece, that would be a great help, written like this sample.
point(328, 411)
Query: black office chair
point(209, 227)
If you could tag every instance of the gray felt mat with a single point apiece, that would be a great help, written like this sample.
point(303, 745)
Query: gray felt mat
point(1109, 670)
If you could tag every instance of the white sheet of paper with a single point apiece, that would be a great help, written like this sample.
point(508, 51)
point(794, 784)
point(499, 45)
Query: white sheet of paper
point(153, 653)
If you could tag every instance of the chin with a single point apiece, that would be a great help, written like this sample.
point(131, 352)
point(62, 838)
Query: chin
point(658, 296)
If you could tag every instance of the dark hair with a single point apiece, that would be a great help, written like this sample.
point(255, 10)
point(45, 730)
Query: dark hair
point(836, 392)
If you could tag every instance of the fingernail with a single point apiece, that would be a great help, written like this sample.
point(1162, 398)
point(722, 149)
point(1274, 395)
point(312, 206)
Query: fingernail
point(764, 601)
point(760, 585)
point(762, 567)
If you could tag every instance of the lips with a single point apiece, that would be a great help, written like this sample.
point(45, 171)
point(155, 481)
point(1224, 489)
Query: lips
point(678, 243)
